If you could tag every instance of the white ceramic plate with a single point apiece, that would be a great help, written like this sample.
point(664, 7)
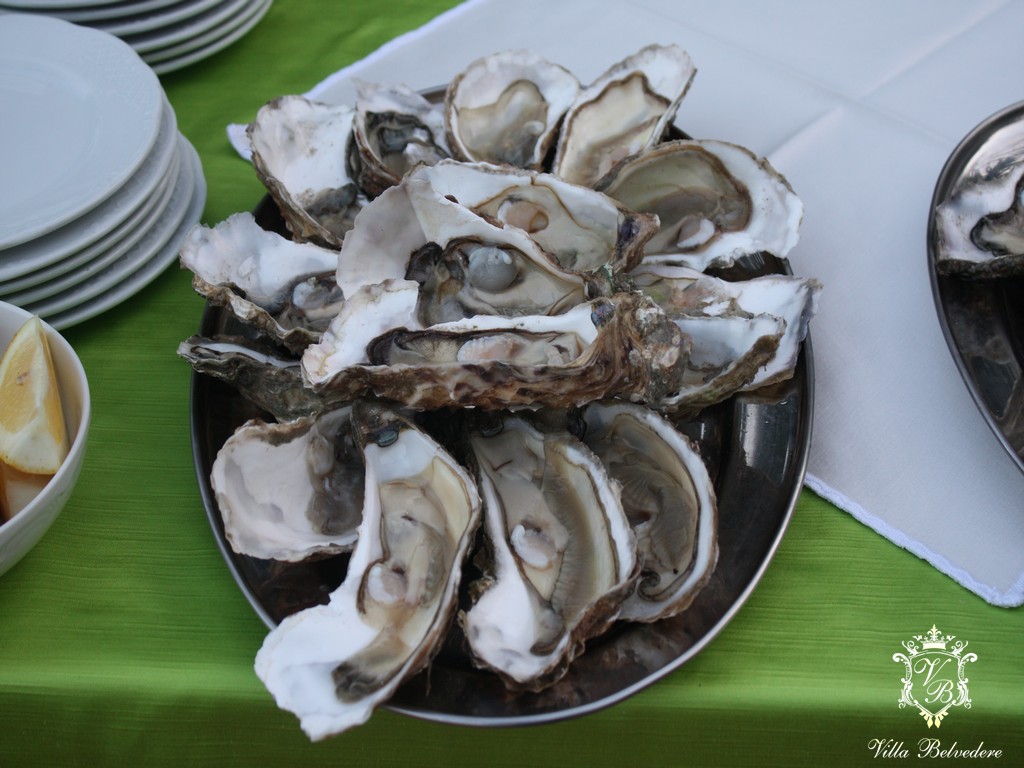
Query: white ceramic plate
point(38, 4)
point(161, 200)
point(81, 112)
point(156, 19)
point(126, 232)
point(193, 50)
point(121, 282)
point(107, 250)
point(150, 244)
point(185, 30)
point(92, 12)
point(20, 263)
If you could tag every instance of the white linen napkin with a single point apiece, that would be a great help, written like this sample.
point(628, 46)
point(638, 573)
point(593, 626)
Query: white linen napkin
point(859, 104)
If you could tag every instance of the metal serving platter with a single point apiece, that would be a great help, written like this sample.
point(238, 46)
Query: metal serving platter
point(756, 446)
point(983, 321)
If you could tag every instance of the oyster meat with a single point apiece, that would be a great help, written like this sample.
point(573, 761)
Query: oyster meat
point(332, 664)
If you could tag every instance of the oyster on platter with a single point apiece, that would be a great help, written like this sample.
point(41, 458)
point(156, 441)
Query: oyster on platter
point(468, 262)
point(623, 345)
point(507, 107)
point(333, 664)
point(299, 151)
point(980, 227)
point(581, 228)
point(533, 308)
point(715, 201)
point(624, 111)
point(395, 129)
point(668, 498)
point(743, 311)
point(268, 378)
point(562, 556)
point(372, 310)
point(273, 509)
point(1002, 232)
point(279, 287)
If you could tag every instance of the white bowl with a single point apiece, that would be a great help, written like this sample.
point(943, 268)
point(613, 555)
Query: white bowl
point(19, 534)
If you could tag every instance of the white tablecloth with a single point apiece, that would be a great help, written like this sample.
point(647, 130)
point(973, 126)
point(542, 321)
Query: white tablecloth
point(859, 103)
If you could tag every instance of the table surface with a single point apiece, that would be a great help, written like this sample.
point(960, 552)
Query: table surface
point(125, 639)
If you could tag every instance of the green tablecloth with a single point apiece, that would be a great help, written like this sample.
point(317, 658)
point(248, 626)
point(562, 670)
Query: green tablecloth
point(125, 640)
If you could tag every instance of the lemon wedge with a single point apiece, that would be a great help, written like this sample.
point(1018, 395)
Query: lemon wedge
point(17, 489)
point(33, 437)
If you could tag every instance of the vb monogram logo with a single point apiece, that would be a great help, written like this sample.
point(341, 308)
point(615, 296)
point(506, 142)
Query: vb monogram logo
point(934, 680)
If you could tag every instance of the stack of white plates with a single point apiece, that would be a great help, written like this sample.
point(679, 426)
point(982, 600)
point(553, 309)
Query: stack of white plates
point(167, 34)
point(97, 187)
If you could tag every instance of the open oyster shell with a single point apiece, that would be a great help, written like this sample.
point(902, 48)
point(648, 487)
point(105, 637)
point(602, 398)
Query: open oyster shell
point(290, 490)
point(265, 377)
point(716, 202)
point(370, 312)
point(333, 664)
point(726, 354)
point(507, 107)
point(299, 150)
point(467, 262)
point(668, 498)
point(623, 345)
point(395, 129)
point(490, 270)
point(980, 227)
point(624, 111)
point(273, 285)
point(1002, 232)
point(582, 229)
point(562, 555)
point(687, 296)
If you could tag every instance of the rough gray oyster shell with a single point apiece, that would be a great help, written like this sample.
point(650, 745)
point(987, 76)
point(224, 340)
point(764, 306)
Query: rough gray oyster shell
point(622, 345)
